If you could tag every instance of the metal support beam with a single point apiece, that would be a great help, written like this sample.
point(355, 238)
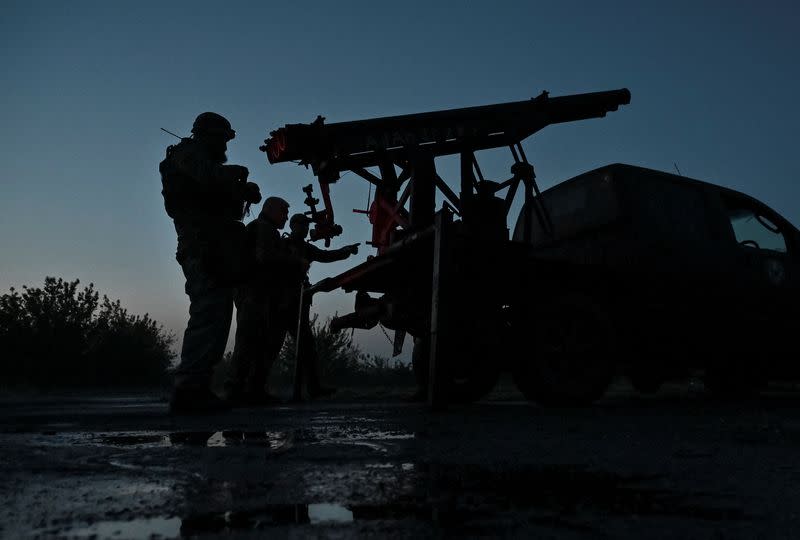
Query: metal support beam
point(442, 309)
point(366, 175)
point(467, 175)
point(299, 374)
point(422, 205)
point(447, 192)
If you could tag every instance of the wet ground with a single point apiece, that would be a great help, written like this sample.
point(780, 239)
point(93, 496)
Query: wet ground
point(676, 465)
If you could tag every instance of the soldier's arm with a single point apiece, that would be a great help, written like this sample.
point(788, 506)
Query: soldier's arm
point(269, 252)
point(327, 255)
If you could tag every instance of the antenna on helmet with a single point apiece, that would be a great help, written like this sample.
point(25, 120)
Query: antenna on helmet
point(171, 133)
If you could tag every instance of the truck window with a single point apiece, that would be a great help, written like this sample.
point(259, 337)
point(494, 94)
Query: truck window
point(755, 230)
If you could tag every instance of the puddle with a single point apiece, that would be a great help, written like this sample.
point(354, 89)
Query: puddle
point(136, 528)
point(274, 440)
point(407, 467)
point(329, 513)
point(388, 435)
point(140, 439)
point(458, 499)
point(345, 442)
point(467, 498)
point(268, 516)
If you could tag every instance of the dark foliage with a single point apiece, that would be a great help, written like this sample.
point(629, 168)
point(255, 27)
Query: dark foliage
point(341, 362)
point(58, 335)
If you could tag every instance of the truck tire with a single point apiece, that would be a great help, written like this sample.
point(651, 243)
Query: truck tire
point(475, 373)
point(568, 357)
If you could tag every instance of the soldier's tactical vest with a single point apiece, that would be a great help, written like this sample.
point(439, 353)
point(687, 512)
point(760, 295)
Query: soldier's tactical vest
point(208, 221)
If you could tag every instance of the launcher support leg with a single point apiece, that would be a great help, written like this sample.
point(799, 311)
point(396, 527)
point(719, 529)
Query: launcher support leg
point(442, 313)
point(297, 393)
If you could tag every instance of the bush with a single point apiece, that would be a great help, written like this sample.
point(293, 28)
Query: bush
point(342, 362)
point(58, 335)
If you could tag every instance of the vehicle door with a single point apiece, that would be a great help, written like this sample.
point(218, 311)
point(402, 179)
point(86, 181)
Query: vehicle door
point(766, 248)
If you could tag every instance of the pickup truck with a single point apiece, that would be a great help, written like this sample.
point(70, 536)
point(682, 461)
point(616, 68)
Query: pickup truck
point(654, 276)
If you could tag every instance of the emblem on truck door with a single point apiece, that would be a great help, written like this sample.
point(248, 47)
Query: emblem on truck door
point(775, 271)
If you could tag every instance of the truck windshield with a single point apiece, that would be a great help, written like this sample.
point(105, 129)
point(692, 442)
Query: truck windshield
point(755, 230)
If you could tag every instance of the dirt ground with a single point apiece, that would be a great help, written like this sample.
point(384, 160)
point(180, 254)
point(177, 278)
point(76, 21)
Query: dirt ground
point(674, 465)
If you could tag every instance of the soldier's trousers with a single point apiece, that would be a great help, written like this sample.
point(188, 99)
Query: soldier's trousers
point(249, 367)
point(210, 313)
point(261, 328)
point(308, 369)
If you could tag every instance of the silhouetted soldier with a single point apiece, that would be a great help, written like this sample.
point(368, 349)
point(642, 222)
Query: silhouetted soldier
point(299, 247)
point(258, 301)
point(205, 199)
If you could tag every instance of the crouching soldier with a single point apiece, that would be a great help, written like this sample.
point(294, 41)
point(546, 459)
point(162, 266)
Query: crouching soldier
point(259, 301)
point(298, 246)
point(206, 199)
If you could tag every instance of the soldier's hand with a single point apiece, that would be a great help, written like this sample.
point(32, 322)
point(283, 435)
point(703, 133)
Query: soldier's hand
point(353, 248)
point(251, 193)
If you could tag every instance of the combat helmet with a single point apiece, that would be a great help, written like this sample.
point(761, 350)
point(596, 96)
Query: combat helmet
point(212, 123)
point(299, 219)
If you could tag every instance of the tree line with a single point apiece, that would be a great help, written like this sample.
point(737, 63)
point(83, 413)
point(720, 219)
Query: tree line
point(62, 335)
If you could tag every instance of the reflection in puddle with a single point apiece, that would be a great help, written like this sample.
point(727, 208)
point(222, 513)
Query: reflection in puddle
point(366, 444)
point(274, 440)
point(388, 435)
point(459, 499)
point(216, 440)
point(329, 513)
point(212, 439)
point(140, 439)
point(406, 467)
point(268, 516)
point(136, 528)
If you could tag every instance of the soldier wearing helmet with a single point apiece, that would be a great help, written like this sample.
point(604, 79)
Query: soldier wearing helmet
point(290, 308)
point(259, 315)
point(206, 200)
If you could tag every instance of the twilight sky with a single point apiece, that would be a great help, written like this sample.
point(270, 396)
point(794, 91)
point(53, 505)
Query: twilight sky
point(87, 85)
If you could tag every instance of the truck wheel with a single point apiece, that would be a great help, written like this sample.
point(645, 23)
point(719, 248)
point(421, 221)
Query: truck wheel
point(474, 376)
point(570, 360)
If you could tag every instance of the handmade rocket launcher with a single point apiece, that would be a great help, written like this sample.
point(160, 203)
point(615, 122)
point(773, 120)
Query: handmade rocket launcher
point(444, 276)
